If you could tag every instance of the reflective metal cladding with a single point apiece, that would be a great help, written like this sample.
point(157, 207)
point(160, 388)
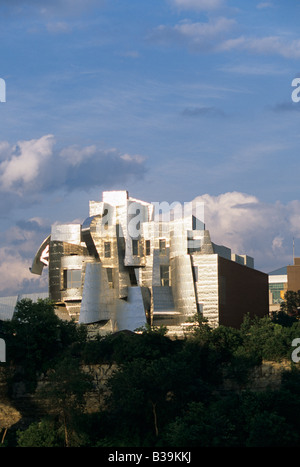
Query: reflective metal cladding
point(125, 267)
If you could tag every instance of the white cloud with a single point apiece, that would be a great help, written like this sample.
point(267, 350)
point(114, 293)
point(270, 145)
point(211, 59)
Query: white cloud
point(34, 167)
point(75, 155)
point(14, 272)
point(200, 35)
point(205, 5)
point(24, 163)
point(248, 226)
point(277, 243)
point(271, 45)
point(135, 158)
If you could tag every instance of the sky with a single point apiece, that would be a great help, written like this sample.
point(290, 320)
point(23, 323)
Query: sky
point(172, 100)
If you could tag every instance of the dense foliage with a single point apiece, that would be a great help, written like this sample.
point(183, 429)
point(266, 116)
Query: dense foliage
point(163, 392)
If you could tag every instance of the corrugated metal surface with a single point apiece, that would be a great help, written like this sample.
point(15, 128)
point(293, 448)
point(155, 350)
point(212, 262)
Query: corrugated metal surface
point(207, 286)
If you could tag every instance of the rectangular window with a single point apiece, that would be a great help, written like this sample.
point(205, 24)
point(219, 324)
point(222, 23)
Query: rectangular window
point(107, 249)
point(135, 247)
point(147, 247)
point(105, 219)
point(72, 278)
point(194, 245)
point(110, 277)
point(277, 291)
point(132, 277)
point(162, 247)
point(195, 273)
point(164, 276)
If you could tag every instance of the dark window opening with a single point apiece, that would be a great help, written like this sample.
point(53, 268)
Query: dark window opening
point(110, 277)
point(147, 247)
point(195, 273)
point(164, 276)
point(105, 219)
point(162, 247)
point(135, 247)
point(132, 277)
point(107, 249)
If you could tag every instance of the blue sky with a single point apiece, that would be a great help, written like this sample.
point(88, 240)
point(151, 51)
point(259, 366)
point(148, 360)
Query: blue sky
point(169, 99)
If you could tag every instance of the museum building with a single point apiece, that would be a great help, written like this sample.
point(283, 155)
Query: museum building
point(125, 267)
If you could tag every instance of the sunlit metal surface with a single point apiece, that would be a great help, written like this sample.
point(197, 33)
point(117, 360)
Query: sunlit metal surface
point(97, 298)
point(126, 266)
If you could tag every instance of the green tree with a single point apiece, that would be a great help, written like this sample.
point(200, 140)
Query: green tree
point(268, 429)
point(264, 339)
point(36, 337)
point(40, 434)
point(64, 391)
point(200, 426)
point(291, 303)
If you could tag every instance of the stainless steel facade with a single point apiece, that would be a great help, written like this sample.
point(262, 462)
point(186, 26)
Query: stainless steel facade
point(123, 268)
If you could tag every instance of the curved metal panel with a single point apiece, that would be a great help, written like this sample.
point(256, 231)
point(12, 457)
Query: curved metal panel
point(41, 258)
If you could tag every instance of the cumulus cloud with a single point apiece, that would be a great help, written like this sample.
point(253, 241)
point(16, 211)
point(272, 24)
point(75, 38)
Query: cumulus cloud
point(22, 166)
point(35, 167)
point(15, 274)
point(19, 244)
point(75, 155)
point(248, 226)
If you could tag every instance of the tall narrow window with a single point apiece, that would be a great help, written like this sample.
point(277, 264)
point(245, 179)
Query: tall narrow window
point(135, 247)
point(162, 247)
point(110, 277)
point(195, 273)
point(105, 219)
point(164, 276)
point(147, 247)
point(107, 249)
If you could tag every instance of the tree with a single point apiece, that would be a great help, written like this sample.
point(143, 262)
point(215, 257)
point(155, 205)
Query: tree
point(291, 303)
point(268, 429)
point(64, 390)
point(200, 426)
point(36, 337)
point(40, 434)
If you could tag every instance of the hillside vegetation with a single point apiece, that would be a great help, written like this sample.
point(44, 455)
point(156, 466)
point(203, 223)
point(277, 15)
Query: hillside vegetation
point(159, 392)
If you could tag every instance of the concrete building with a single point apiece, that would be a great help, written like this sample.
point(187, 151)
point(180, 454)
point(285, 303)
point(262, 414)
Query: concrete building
point(124, 267)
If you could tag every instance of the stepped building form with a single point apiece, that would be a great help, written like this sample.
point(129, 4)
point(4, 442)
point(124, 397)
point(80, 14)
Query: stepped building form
point(127, 265)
